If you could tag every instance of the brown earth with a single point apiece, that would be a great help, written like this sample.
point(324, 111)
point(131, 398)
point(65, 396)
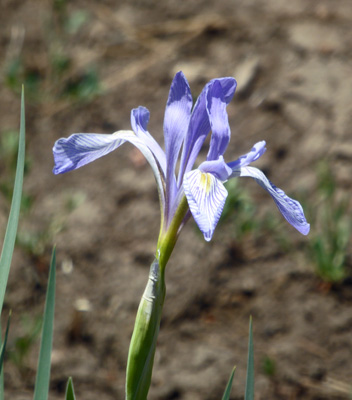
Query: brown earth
point(293, 63)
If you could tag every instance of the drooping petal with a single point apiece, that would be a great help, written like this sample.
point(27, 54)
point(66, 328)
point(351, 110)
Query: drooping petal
point(216, 107)
point(139, 123)
point(206, 196)
point(139, 120)
point(256, 152)
point(218, 168)
point(80, 149)
point(199, 125)
point(289, 208)
point(228, 85)
point(176, 120)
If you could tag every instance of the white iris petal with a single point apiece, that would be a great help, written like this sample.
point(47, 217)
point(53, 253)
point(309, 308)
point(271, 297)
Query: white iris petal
point(206, 196)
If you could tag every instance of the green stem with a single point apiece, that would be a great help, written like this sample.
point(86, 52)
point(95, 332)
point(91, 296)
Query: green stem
point(167, 241)
point(145, 334)
point(146, 329)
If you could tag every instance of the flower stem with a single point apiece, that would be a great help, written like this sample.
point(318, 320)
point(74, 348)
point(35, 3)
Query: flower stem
point(145, 334)
point(167, 241)
point(143, 342)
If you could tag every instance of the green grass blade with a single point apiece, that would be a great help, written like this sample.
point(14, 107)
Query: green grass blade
point(3, 347)
point(2, 355)
point(249, 395)
point(43, 373)
point(10, 235)
point(70, 393)
point(1, 380)
point(227, 392)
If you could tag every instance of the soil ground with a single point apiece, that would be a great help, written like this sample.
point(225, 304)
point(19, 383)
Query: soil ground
point(86, 64)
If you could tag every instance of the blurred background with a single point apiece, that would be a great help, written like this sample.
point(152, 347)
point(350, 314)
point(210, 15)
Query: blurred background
point(85, 65)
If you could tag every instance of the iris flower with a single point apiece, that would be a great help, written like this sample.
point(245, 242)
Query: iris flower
point(185, 130)
point(184, 191)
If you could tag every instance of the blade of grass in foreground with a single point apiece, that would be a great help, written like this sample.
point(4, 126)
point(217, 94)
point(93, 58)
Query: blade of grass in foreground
point(227, 392)
point(250, 366)
point(10, 235)
point(2, 350)
point(43, 373)
point(2, 354)
point(70, 393)
point(1, 381)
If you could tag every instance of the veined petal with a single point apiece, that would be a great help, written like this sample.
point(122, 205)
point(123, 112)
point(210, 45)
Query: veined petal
point(199, 125)
point(206, 196)
point(289, 208)
point(256, 152)
point(218, 168)
point(139, 123)
point(139, 120)
point(176, 120)
point(80, 149)
point(228, 87)
point(216, 107)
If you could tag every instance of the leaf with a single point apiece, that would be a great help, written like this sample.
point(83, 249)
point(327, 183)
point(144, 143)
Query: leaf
point(227, 392)
point(41, 389)
point(2, 354)
point(70, 393)
point(10, 235)
point(1, 384)
point(249, 395)
point(2, 351)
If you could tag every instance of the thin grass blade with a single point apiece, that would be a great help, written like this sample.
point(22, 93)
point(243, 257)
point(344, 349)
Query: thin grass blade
point(249, 395)
point(1, 381)
point(227, 392)
point(41, 389)
point(70, 393)
point(3, 347)
point(2, 355)
point(11, 230)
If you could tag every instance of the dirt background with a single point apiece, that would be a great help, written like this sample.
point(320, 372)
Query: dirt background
point(86, 64)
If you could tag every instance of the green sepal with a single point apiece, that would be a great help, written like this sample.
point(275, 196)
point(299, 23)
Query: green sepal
point(249, 395)
point(41, 389)
point(227, 392)
point(70, 393)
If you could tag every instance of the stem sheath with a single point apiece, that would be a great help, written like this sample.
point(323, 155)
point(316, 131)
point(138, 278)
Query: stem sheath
point(145, 334)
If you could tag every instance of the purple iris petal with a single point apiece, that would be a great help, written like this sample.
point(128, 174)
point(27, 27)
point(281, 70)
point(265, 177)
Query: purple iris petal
point(289, 208)
point(139, 120)
point(256, 152)
point(199, 125)
point(139, 123)
point(176, 120)
point(216, 107)
point(228, 87)
point(206, 196)
point(80, 149)
point(217, 167)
